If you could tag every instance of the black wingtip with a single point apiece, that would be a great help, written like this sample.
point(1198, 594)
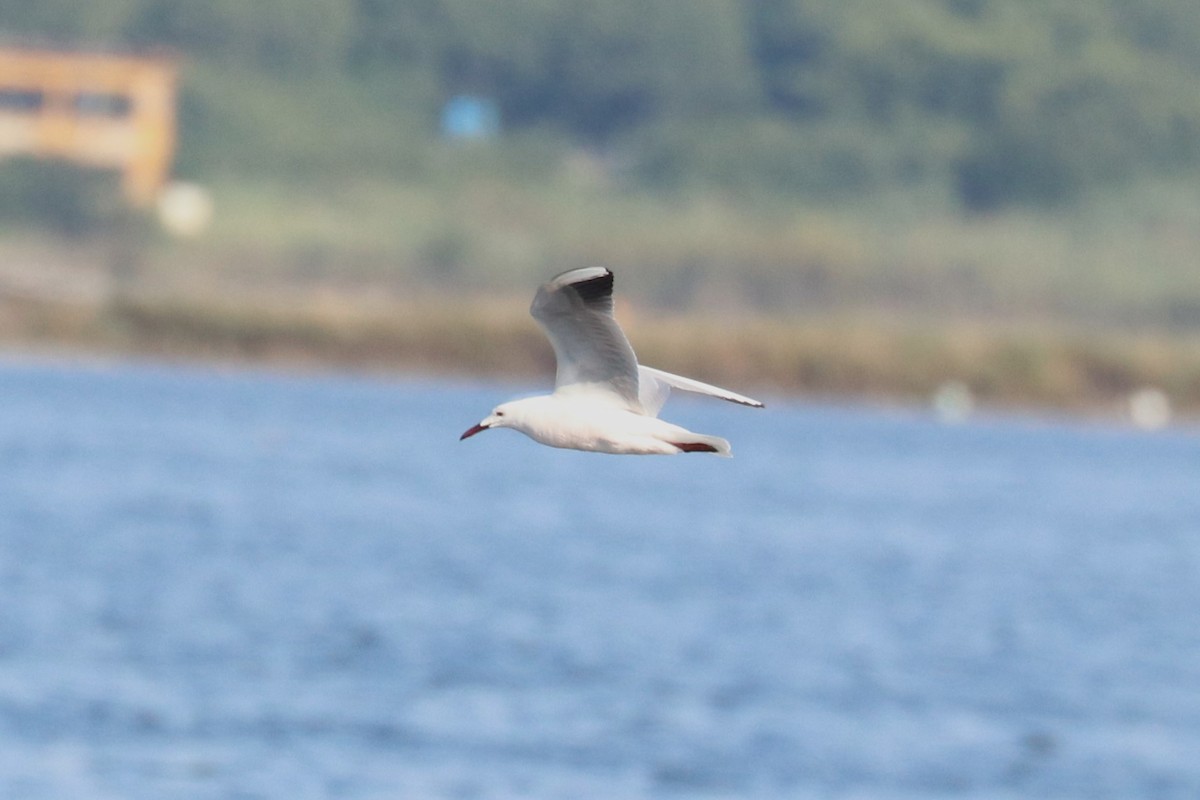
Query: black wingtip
point(595, 288)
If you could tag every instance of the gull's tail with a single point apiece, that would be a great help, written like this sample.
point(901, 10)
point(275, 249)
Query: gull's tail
point(700, 443)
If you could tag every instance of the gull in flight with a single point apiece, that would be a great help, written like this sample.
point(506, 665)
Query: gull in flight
point(603, 400)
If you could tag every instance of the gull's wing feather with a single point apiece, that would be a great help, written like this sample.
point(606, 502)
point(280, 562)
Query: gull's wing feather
point(655, 386)
point(575, 311)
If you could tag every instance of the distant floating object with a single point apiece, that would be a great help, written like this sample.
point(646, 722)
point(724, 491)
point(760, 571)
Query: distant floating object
point(185, 209)
point(953, 402)
point(1150, 409)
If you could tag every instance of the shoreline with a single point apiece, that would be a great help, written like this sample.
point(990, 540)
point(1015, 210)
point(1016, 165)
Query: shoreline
point(1002, 366)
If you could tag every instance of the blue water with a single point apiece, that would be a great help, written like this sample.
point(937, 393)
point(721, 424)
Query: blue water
point(251, 586)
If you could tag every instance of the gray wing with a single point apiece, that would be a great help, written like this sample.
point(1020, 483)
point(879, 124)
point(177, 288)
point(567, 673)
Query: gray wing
point(575, 311)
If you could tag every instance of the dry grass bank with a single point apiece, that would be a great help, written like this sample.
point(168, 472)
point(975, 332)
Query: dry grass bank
point(1004, 364)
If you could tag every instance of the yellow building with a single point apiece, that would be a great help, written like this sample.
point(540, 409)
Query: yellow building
point(106, 110)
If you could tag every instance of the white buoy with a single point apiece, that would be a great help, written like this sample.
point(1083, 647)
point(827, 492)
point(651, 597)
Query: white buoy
point(1150, 409)
point(953, 402)
point(185, 209)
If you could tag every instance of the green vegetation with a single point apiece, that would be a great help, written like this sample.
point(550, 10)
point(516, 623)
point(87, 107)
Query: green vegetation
point(64, 199)
point(992, 102)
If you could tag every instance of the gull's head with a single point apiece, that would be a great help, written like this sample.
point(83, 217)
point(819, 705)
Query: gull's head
point(506, 415)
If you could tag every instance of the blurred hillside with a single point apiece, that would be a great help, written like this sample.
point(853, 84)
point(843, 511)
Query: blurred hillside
point(977, 159)
point(994, 102)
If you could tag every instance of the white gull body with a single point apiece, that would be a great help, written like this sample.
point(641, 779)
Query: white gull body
point(603, 400)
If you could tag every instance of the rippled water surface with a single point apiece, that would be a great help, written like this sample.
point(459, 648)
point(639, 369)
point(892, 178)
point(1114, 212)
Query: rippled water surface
point(251, 586)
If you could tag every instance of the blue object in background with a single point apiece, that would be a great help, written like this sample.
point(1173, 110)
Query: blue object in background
point(469, 117)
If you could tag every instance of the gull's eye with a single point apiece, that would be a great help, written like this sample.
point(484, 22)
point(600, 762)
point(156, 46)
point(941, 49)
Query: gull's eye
point(499, 413)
